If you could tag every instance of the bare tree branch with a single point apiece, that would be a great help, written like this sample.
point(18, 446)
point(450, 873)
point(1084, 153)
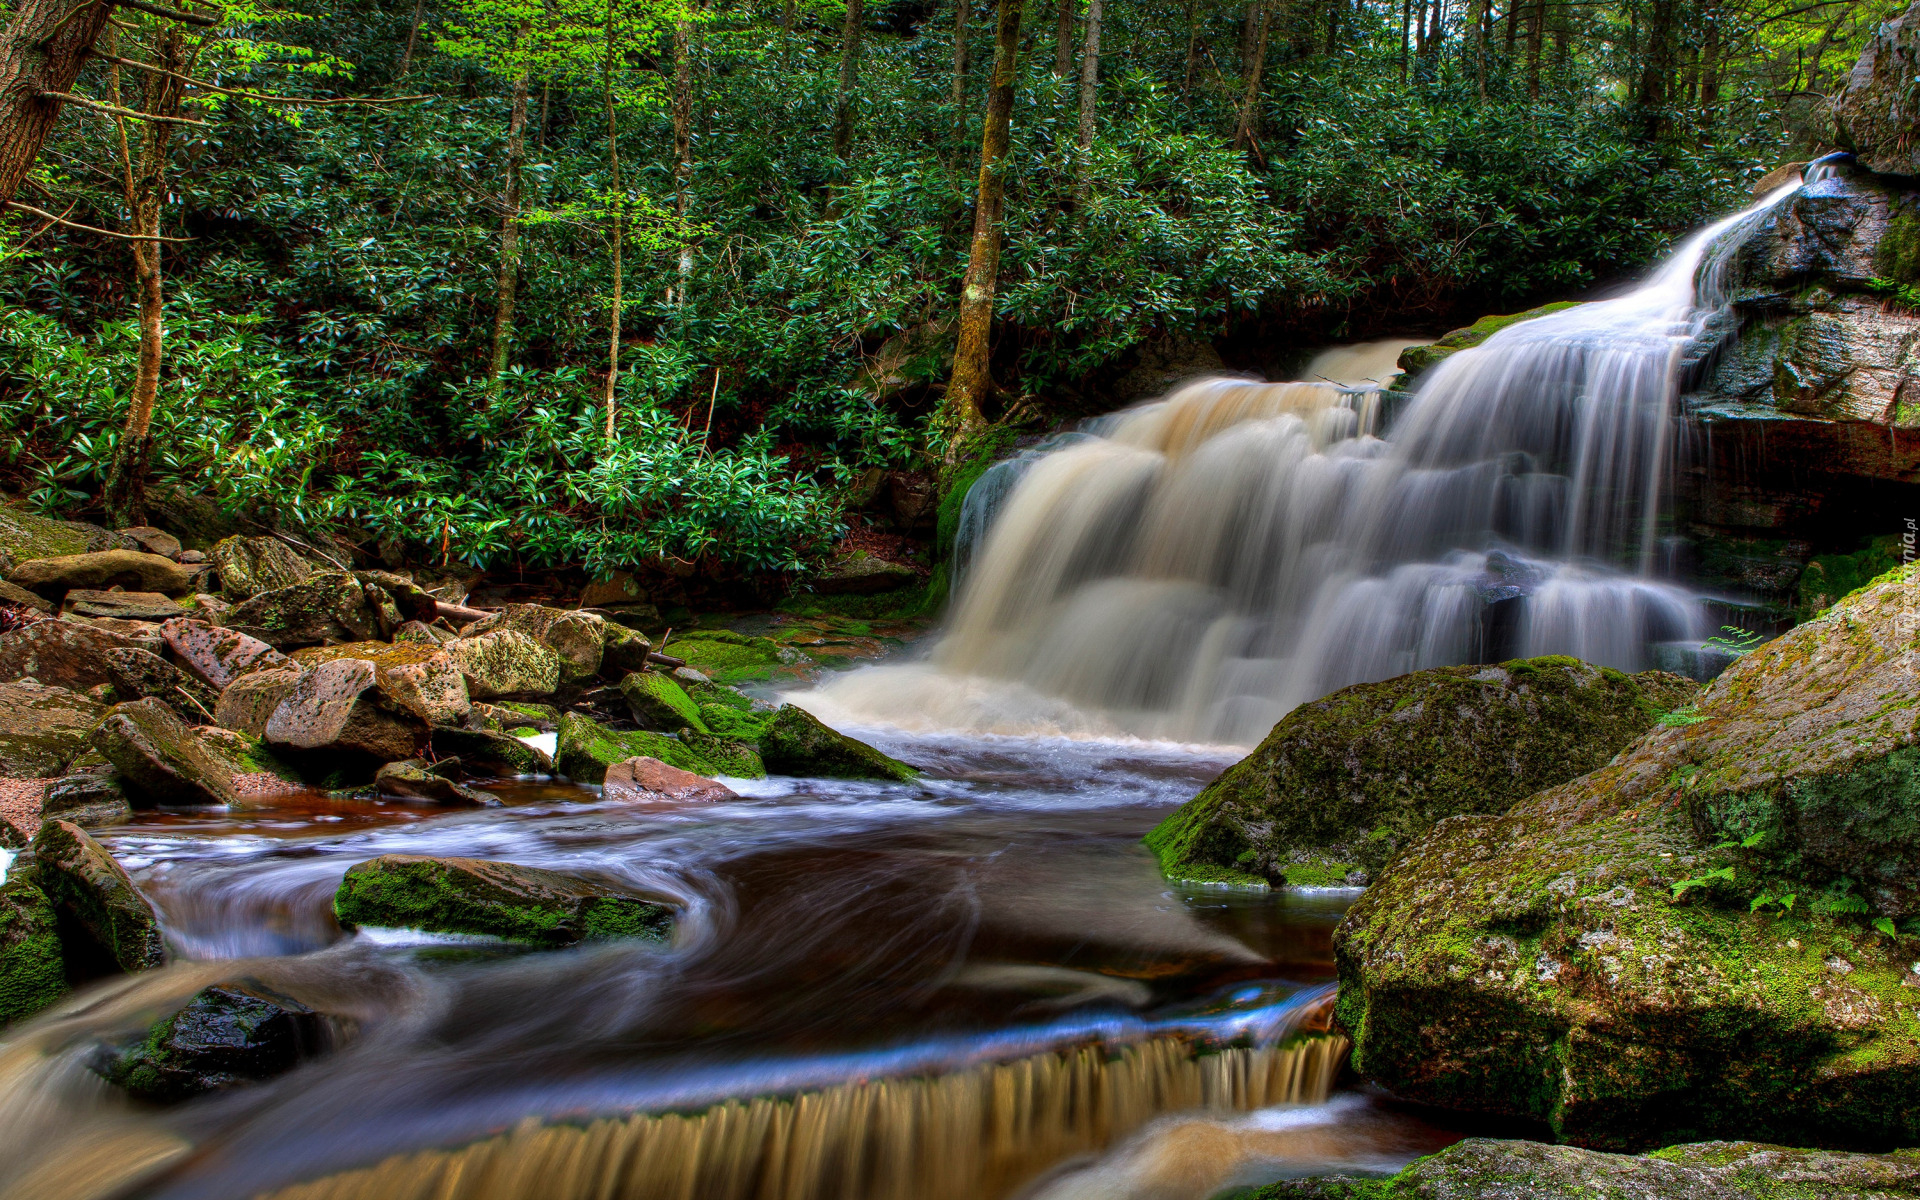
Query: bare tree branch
point(62, 221)
point(260, 96)
point(114, 110)
point(171, 14)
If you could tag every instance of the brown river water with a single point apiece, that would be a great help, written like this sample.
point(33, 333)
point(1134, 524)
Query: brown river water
point(975, 985)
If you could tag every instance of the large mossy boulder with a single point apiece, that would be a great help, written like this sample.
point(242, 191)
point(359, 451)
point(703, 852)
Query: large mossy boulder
point(1707, 937)
point(578, 638)
point(491, 752)
point(505, 662)
point(731, 657)
point(495, 899)
point(32, 969)
point(228, 1034)
point(249, 566)
point(1341, 785)
point(1415, 360)
point(338, 708)
point(42, 729)
point(160, 759)
point(584, 749)
point(248, 703)
point(422, 679)
point(134, 570)
point(797, 743)
point(26, 535)
point(658, 702)
point(88, 888)
point(1490, 1169)
point(331, 606)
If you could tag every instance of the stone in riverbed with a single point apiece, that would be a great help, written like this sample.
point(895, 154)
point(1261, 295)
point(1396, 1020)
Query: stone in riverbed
point(414, 779)
point(578, 638)
point(60, 654)
point(505, 662)
point(160, 759)
point(648, 780)
point(218, 656)
point(490, 752)
point(1609, 958)
point(249, 566)
point(138, 674)
point(329, 607)
point(476, 896)
point(1485, 1168)
point(151, 540)
point(725, 756)
point(797, 743)
point(584, 749)
point(419, 678)
point(1346, 782)
point(91, 799)
point(84, 882)
point(55, 577)
point(32, 967)
point(42, 729)
point(123, 606)
point(231, 1033)
point(658, 703)
point(334, 706)
point(248, 703)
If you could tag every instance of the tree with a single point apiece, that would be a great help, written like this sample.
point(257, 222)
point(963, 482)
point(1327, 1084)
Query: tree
point(1245, 134)
point(1089, 97)
point(1063, 38)
point(971, 381)
point(960, 8)
point(849, 80)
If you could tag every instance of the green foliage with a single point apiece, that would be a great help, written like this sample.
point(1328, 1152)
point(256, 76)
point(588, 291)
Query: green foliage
point(1735, 641)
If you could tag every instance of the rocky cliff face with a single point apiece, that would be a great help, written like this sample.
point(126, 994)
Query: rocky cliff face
point(1878, 115)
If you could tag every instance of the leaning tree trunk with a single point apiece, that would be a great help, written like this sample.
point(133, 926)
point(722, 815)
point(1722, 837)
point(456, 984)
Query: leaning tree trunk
point(849, 80)
point(1089, 97)
point(1244, 134)
point(42, 49)
point(507, 284)
point(971, 382)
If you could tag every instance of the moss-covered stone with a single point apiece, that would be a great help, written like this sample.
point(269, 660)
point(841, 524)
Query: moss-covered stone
point(1607, 957)
point(1416, 359)
point(419, 678)
point(1344, 783)
point(505, 663)
point(657, 702)
point(731, 657)
point(1485, 1168)
point(490, 752)
point(577, 638)
point(1828, 577)
point(249, 566)
point(88, 887)
point(32, 972)
point(42, 729)
point(331, 606)
point(725, 756)
point(26, 535)
point(225, 1035)
point(584, 749)
point(797, 743)
point(496, 899)
point(741, 725)
point(160, 759)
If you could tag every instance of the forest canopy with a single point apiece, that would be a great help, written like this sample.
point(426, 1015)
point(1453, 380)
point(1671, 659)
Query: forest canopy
point(614, 283)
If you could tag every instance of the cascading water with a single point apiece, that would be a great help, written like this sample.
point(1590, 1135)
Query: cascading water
point(1194, 567)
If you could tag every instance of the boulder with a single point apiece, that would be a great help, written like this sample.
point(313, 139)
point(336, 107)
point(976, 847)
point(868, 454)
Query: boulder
point(1343, 784)
point(475, 896)
point(863, 575)
point(579, 638)
point(619, 590)
point(42, 729)
point(415, 779)
point(328, 607)
point(648, 780)
point(1416, 360)
point(87, 886)
point(335, 707)
point(123, 606)
point(91, 799)
point(733, 657)
point(1879, 109)
point(419, 678)
point(60, 654)
point(218, 656)
point(657, 702)
point(585, 749)
point(724, 755)
point(249, 566)
point(25, 535)
point(140, 673)
point(490, 752)
point(152, 540)
point(19, 597)
point(160, 759)
point(1698, 939)
point(228, 1034)
point(249, 701)
point(132, 569)
point(420, 634)
point(32, 968)
point(622, 651)
point(1485, 1168)
point(796, 743)
point(505, 662)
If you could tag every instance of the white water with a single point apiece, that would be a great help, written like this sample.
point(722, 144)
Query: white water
point(1194, 567)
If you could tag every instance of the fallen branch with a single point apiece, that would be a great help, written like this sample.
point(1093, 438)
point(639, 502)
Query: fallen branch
point(114, 110)
point(62, 221)
point(667, 660)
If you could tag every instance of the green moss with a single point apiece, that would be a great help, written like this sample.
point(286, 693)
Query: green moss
point(1897, 257)
point(526, 708)
point(522, 904)
point(724, 756)
point(1830, 576)
point(796, 743)
point(974, 461)
point(921, 600)
point(32, 968)
point(729, 657)
point(27, 535)
point(1207, 875)
point(584, 749)
point(658, 702)
point(1318, 872)
point(727, 721)
point(1417, 359)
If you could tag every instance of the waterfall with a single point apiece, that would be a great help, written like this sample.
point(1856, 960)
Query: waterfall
point(1194, 567)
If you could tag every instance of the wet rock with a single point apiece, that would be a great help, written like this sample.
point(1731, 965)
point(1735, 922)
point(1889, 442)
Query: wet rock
point(420, 634)
point(1416, 360)
point(1346, 782)
point(505, 662)
point(328, 607)
point(87, 886)
point(1614, 956)
point(476, 896)
point(863, 575)
point(585, 749)
point(578, 638)
point(1879, 109)
point(622, 651)
point(218, 656)
point(14, 594)
point(657, 702)
point(733, 757)
point(1484, 1167)
point(648, 780)
point(334, 707)
point(415, 779)
point(42, 729)
point(796, 743)
point(490, 752)
point(419, 678)
point(137, 674)
point(249, 701)
point(229, 1034)
point(32, 968)
point(123, 606)
point(249, 566)
point(731, 657)
point(101, 569)
point(161, 760)
point(153, 541)
point(91, 799)
point(25, 536)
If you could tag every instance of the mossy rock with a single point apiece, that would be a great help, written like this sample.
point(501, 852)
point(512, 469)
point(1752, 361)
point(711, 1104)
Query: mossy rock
point(94, 893)
point(494, 899)
point(42, 729)
point(585, 749)
point(1830, 576)
point(1610, 958)
point(1415, 360)
point(32, 967)
point(797, 743)
point(25, 535)
point(1344, 783)
point(730, 657)
point(727, 721)
point(489, 751)
point(225, 1035)
point(657, 702)
point(1897, 257)
point(725, 756)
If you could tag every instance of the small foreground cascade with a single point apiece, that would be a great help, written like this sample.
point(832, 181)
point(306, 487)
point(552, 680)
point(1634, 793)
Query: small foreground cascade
point(1195, 567)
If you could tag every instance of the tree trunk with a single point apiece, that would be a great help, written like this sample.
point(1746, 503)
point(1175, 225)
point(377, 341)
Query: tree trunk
point(1710, 65)
point(1406, 32)
point(1249, 30)
point(1063, 38)
point(849, 79)
point(1193, 46)
point(682, 149)
point(971, 381)
point(42, 49)
point(960, 8)
point(1245, 133)
point(1477, 44)
point(508, 282)
point(1420, 30)
point(1089, 97)
point(617, 197)
point(1334, 8)
point(413, 36)
point(1536, 23)
point(1658, 64)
